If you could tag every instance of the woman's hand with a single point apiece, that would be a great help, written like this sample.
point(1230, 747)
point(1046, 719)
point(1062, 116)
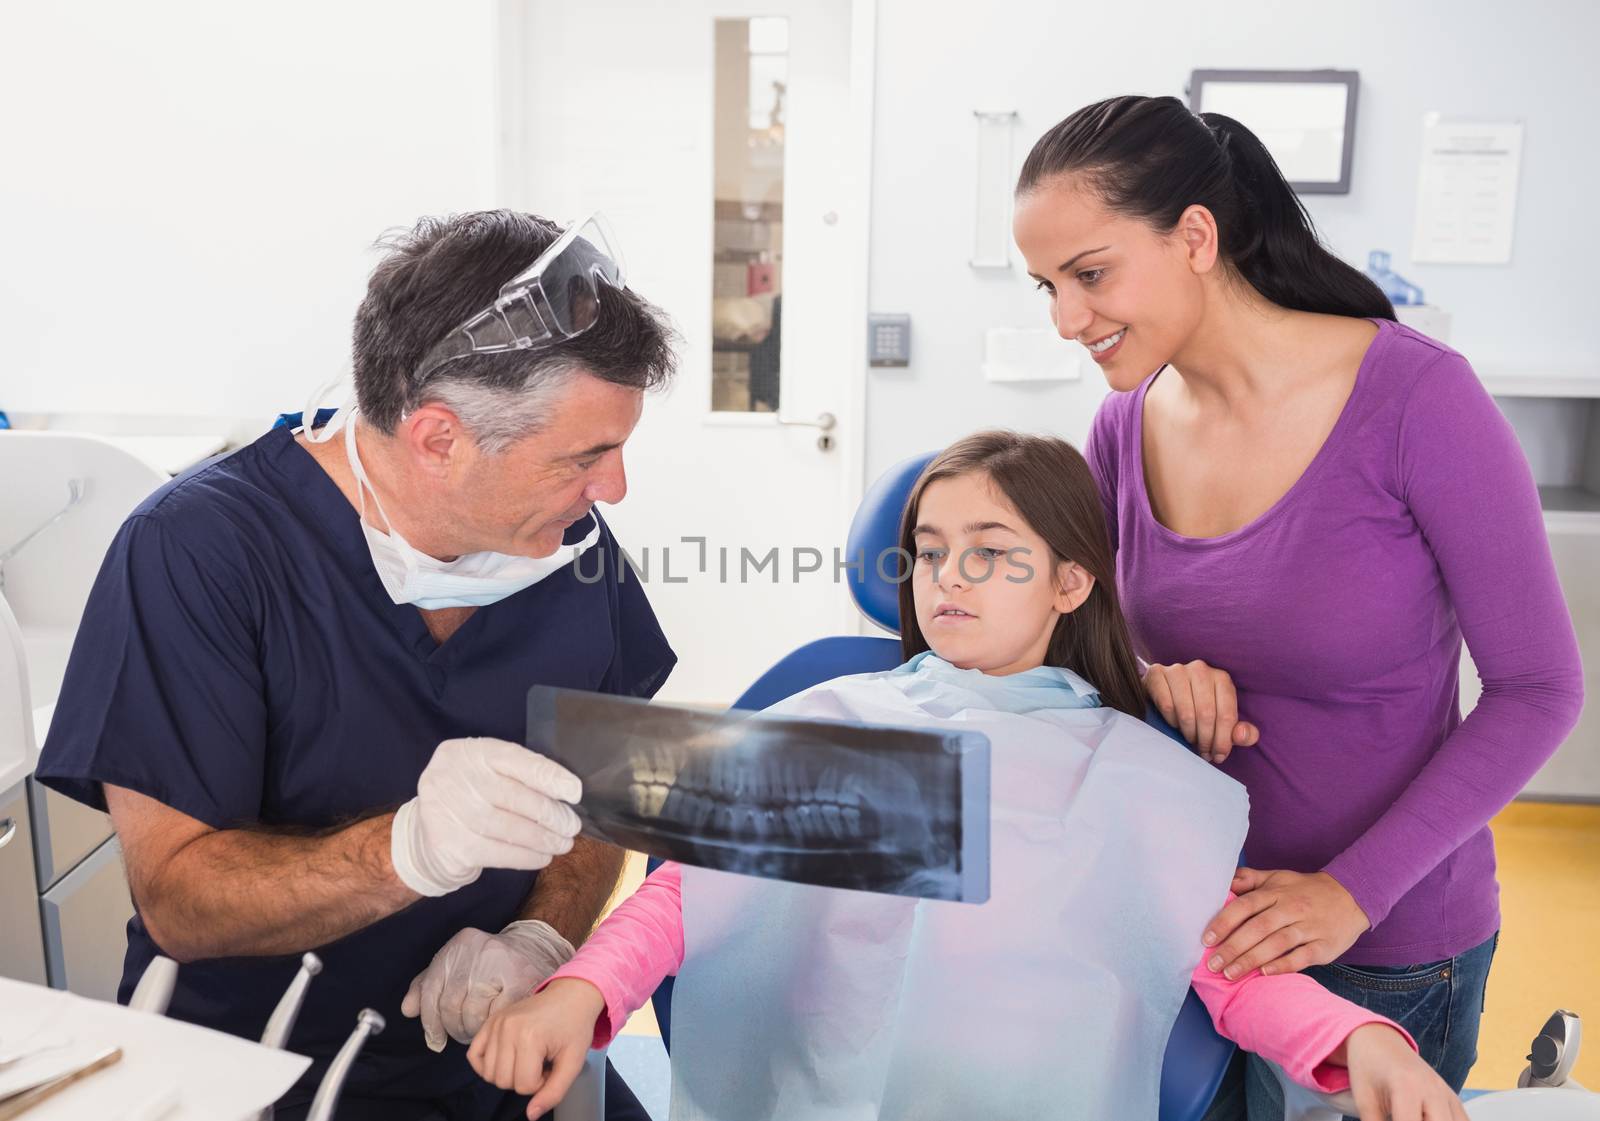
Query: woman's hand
point(1283, 922)
point(1201, 703)
point(1389, 1080)
point(553, 1027)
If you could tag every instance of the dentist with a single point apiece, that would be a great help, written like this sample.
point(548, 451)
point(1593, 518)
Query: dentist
point(299, 669)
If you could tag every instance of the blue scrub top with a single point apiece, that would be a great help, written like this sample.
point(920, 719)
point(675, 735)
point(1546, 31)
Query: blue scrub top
point(240, 661)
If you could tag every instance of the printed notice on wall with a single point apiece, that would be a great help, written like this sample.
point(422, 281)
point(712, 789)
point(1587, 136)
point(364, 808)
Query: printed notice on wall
point(1467, 191)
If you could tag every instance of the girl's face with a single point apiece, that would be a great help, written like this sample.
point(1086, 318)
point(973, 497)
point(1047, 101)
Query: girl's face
point(1127, 292)
point(986, 588)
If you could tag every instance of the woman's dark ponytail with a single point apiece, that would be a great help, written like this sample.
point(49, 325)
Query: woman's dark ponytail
point(1151, 158)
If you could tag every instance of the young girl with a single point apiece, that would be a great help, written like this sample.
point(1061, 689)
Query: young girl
point(1056, 997)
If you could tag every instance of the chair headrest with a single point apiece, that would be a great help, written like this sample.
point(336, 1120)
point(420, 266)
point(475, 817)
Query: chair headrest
point(292, 420)
point(874, 535)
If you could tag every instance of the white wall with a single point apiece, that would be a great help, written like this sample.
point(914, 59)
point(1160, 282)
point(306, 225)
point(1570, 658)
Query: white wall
point(191, 189)
point(1045, 58)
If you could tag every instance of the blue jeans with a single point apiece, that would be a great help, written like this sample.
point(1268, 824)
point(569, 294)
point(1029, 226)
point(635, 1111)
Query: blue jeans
point(1438, 1002)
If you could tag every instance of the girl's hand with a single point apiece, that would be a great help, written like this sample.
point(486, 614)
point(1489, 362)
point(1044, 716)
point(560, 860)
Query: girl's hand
point(552, 1028)
point(1390, 1082)
point(1283, 922)
point(1201, 703)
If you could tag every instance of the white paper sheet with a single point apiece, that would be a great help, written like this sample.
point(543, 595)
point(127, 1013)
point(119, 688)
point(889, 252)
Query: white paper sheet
point(215, 1077)
point(1467, 191)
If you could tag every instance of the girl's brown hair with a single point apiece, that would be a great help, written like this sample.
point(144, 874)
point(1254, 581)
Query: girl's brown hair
point(1049, 484)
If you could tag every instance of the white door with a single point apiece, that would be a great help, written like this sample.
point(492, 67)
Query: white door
point(728, 144)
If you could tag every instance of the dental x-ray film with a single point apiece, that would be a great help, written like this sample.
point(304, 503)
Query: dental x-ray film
point(903, 811)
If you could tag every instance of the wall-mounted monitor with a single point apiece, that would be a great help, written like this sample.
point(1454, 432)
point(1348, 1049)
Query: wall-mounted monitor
point(1306, 119)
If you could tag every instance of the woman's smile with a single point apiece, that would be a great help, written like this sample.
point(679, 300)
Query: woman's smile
point(1102, 349)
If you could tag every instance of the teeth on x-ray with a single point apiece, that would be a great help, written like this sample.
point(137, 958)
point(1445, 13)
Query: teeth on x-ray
point(748, 799)
point(816, 802)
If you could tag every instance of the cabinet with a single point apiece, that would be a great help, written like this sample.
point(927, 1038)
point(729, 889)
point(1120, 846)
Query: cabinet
point(1557, 421)
point(21, 942)
point(64, 831)
point(82, 896)
point(85, 917)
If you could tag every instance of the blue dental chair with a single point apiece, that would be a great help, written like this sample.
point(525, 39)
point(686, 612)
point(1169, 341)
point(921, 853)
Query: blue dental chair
point(1196, 1055)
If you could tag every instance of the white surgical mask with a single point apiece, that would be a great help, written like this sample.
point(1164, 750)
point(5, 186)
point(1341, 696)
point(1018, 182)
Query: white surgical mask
point(410, 576)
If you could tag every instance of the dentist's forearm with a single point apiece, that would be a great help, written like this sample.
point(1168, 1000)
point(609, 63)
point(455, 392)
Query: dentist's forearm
point(571, 892)
point(208, 893)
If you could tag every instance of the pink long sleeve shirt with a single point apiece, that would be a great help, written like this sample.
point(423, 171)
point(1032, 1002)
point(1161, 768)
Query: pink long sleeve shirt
point(1288, 1018)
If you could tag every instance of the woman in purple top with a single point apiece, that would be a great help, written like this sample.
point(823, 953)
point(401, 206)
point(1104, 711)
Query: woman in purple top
point(1321, 504)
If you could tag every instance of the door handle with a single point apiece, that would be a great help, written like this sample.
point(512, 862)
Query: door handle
point(8, 829)
point(824, 421)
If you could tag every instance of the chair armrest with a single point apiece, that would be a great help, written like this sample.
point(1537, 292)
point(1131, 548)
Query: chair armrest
point(1302, 1104)
point(586, 1099)
point(156, 984)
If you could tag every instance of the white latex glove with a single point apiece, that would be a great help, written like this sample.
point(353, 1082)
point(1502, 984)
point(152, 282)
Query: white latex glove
point(476, 973)
point(482, 803)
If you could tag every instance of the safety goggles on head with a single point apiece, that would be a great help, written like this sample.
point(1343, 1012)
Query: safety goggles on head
point(552, 300)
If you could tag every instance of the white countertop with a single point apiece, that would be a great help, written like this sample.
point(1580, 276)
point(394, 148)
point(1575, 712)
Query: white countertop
point(206, 1075)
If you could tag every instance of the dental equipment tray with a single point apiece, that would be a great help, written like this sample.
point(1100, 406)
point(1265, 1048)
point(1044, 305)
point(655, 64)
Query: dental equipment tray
point(903, 811)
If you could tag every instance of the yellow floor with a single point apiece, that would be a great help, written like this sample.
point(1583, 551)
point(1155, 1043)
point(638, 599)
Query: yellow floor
point(1549, 954)
point(642, 1022)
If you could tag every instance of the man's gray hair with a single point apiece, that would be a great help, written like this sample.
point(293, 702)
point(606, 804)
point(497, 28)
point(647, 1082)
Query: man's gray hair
point(497, 417)
point(444, 270)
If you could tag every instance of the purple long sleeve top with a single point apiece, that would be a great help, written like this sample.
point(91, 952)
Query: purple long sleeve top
point(1340, 614)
